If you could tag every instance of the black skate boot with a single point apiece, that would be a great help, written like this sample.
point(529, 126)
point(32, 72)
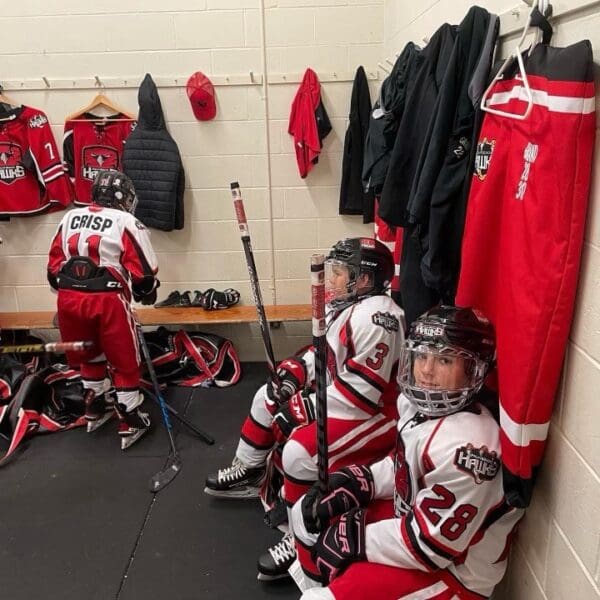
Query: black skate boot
point(98, 409)
point(236, 481)
point(132, 425)
point(276, 561)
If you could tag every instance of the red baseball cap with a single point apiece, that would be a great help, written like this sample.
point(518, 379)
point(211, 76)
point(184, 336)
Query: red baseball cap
point(201, 93)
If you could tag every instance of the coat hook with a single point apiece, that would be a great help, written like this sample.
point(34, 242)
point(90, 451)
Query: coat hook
point(251, 77)
point(426, 40)
point(384, 68)
point(46, 81)
point(335, 75)
point(389, 62)
point(98, 82)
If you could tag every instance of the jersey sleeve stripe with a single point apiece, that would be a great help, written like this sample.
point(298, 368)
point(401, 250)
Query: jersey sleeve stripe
point(411, 543)
point(146, 268)
point(367, 374)
point(354, 397)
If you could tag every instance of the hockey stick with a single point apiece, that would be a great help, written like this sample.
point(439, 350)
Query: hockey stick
point(238, 204)
point(168, 473)
point(317, 277)
point(50, 347)
point(209, 439)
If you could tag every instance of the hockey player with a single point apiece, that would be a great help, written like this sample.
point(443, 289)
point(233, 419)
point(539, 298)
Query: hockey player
point(100, 256)
point(364, 338)
point(432, 521)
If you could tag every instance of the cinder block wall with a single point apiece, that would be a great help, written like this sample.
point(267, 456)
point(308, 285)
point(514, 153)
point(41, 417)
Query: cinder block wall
point(557, 554)
point(290, 218)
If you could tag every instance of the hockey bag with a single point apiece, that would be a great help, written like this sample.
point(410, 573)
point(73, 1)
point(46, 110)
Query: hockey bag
point(46, 401)
point(193, 359)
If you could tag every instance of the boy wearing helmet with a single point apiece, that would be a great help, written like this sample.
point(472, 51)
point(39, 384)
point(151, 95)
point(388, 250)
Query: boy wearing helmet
point(100, 256)
point(431, 522)
point(364, 337)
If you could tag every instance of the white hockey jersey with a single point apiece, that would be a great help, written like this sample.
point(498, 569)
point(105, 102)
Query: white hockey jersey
point(111, 238)
point(448, 498)
point(363, 349)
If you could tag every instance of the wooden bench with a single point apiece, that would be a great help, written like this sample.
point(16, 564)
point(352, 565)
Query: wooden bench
point(173, 316)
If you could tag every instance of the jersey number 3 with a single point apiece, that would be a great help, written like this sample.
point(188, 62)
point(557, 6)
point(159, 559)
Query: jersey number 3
point(381, 351)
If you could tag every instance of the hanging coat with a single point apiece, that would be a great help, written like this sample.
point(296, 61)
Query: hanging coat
point(152, 160)
point(303, 124)
point(353, 199)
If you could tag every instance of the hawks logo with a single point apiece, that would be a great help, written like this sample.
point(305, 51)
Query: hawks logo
point(98, 158)
point(480, 462)
point(11, 159)
point(37, 121)
point(483, 157)
point(386, 320)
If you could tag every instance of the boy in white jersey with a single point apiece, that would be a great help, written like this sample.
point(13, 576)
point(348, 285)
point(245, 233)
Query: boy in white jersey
point(430, 522)
point(364, 337)
point(100, 257)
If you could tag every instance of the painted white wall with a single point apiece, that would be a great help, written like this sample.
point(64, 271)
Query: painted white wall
point(557, 554)
point(75, 40)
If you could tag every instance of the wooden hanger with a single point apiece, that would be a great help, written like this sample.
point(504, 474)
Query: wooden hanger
point(100, 100)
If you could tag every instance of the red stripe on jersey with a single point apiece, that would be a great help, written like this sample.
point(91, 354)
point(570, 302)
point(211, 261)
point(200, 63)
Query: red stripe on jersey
point(355, 398)
point(73, 245)
point(427, 462)
point(416, 552)
point(370, 375)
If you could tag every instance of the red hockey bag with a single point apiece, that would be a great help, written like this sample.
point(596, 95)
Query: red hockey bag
point(192, 358)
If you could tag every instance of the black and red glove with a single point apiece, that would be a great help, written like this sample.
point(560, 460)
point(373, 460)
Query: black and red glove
point(144, 291)
point(341, 544)
point(350, 487)
point(292, 378)
point(298, 410)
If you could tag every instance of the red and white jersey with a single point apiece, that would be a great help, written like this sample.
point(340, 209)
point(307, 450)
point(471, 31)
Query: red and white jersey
point(111, 238)
point(32, 177)
point(363, 348)
point(448, 498)
point(93, 145)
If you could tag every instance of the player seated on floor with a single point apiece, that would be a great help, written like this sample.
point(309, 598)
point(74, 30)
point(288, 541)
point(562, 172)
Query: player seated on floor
point(431, 521)
point(364, 337)
point(100, 256)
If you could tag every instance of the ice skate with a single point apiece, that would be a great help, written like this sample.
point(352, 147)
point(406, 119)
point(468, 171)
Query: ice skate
point(132, 425)
point(98, 409)
point(236, 481)
point(276, 561)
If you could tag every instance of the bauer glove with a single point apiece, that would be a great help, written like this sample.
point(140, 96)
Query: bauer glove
point(341, 545)
point(350, 487)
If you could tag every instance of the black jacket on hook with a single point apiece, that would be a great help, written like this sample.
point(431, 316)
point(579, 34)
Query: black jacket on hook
point(353, 199)
point(152, 160)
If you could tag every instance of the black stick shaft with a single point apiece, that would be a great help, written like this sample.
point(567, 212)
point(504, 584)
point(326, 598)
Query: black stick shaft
point(240, 214)
point(317, 275)
point(50, 347)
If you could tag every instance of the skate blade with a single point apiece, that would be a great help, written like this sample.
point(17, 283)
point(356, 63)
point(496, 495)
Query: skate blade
point(93, 425)
point(245, 494)
point(263, 577)
point(129, 440)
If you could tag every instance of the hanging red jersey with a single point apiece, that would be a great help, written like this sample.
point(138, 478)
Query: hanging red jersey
point(32, 177)
point(523, 238)
point(93, 144)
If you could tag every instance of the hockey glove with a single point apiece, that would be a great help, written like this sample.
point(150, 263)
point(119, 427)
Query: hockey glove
point(298, 410)
point(350, 487)
point(341, 545)
point(144, 291)
point(214, 300)
point(292, 378)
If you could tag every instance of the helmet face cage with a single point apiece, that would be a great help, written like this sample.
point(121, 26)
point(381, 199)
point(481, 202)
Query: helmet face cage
point(442, 337)
point(114, 189)
point(360, 256)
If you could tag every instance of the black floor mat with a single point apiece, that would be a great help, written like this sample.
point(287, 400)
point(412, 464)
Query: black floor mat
point(78, 522)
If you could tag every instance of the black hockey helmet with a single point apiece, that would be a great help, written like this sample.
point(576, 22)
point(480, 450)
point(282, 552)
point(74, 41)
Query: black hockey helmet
point(365, 256)
point(114, 189)
point(445, 333)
